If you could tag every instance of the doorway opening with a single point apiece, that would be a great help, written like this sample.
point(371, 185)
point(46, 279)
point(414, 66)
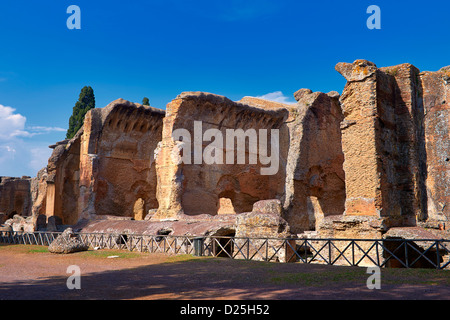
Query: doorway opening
point(223, 245)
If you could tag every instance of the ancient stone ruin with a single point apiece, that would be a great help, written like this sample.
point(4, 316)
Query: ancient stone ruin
point(67, 242)
point(15, 197)
point(355, 165)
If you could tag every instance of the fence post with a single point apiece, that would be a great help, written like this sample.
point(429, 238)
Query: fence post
point(329, 253)
point(438, 258)
point(405, 243)
point(198, 246)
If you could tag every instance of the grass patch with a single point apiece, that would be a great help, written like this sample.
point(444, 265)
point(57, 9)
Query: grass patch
point(416, 276)
point(23, 248)
point(38, 249)
point(320, 278)
point(183, 258)
point(359, 275)
point(106, 253)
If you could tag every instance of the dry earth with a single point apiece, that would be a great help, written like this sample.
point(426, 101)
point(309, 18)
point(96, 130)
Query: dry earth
point(30, 272)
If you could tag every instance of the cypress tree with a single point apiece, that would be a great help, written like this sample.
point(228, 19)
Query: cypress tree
point(145, 101)
point(85, 102)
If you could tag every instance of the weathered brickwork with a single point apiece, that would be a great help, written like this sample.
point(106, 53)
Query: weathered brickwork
point(375, 157)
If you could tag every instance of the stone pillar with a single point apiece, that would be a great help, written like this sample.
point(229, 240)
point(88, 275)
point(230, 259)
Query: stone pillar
point(50, 207)
point(88, 164)
point(436, 100)
point(359, 106)
point(168, 169)
point(383, 142)
point(410, 166)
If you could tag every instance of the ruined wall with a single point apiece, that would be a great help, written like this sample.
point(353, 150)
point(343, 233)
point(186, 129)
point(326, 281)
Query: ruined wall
point(62, 181)
point(264, 221)
point(358, 102)
point(357, 164)
point(315, 182)
point(409, 156)
point(196, 188)
point(382, 142)
point(117, 167)
point(39, 198)
point(107, 167)
point(15, 197)
point(436, 102)
point(395, 141)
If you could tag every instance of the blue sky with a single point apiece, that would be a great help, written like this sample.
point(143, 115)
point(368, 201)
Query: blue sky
point(158, 49)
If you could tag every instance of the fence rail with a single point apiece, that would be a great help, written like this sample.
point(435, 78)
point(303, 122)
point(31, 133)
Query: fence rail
point(424, 253)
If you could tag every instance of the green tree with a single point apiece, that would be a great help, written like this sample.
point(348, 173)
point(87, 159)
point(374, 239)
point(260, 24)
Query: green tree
point(85, 102)
point(145, 101)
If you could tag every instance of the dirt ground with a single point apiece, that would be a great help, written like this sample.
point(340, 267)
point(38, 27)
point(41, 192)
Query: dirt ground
point(30, 272)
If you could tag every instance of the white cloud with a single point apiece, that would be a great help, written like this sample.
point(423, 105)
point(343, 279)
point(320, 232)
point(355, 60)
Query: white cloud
point(47, 129)
point(38, 130)
point(277, 96)
point(11, 124)
point(20, 152)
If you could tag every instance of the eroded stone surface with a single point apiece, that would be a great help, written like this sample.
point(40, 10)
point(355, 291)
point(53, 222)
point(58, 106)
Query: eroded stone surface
point(22, 224)
point(315, 185)
point(108, 167)
point(351, 165)
point(196, 188)
point(395, 142)
point(67, 242)
point(15, 196)
point(264, 220)
point(436, 99)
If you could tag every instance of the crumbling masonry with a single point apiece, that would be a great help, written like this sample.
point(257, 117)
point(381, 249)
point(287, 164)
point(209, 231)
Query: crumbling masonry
point(362, 164)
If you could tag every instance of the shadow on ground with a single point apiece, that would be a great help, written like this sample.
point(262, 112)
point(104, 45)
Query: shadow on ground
point(230, 279)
